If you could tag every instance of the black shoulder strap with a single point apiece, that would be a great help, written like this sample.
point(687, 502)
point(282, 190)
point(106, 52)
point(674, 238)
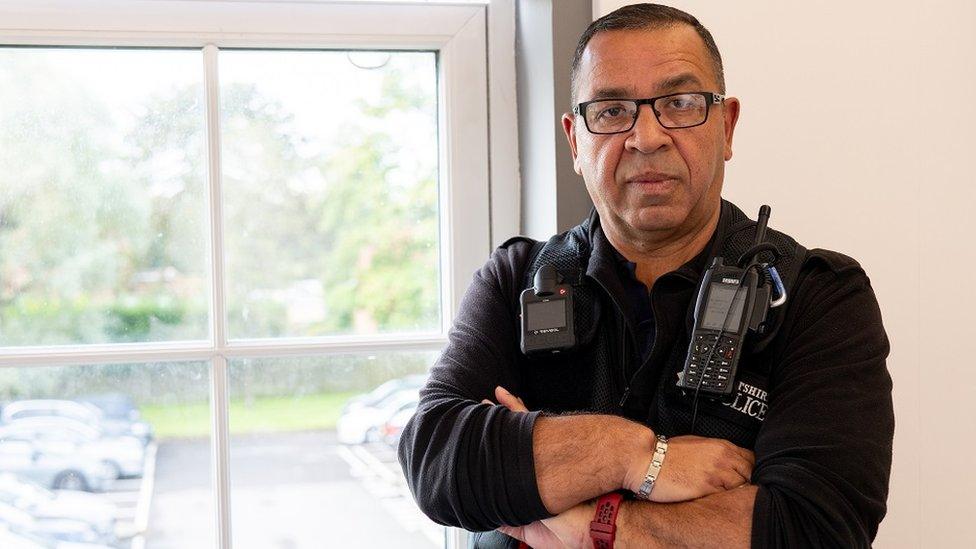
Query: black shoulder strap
point(528, 274)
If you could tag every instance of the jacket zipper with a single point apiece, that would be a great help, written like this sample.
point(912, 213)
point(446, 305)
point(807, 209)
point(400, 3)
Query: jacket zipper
point(629, 331)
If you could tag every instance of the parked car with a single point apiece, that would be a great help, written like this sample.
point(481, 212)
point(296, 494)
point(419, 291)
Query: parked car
point(363, 424)
point(62, 435)
point(119, 409)
point(56, 529)
point(42, 503)
point(21, 409)
point(54, 470)
point(89, 413)
point(383, 391)
point(393, 427)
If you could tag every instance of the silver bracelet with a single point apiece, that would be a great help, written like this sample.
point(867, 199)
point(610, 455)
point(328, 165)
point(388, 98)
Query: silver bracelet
point(654, 469)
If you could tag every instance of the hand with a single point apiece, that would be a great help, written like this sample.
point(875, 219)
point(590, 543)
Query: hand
point(507, 400)
point(696, 466)
point(567, 530)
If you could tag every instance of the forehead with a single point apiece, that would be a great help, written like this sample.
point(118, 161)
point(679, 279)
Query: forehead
point(640, 63)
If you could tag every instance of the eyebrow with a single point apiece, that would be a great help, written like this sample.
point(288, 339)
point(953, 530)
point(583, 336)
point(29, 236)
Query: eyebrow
point(669, 84)
point(677, 81)
point(610, 93)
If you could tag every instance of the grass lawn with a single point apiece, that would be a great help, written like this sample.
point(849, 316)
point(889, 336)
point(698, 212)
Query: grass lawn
point(264, 415)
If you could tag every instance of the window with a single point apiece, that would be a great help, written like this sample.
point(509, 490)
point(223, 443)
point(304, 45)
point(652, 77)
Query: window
point(233, 235)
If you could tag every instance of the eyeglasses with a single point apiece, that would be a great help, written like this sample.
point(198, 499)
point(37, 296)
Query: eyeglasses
point(677, 110)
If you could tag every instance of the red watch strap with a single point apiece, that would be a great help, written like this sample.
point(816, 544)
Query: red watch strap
point(603, 529)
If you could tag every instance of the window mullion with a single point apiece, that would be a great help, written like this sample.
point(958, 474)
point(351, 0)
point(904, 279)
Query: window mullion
point(220, 435)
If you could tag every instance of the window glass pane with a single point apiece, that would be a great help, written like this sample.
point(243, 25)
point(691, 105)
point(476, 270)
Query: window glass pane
point(330, 192)
point(313, 451)
point(102, 209)
point(130, 441)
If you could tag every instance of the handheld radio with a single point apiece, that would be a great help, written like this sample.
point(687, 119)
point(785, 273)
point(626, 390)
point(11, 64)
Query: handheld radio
point(547, 314)
point(733, 301)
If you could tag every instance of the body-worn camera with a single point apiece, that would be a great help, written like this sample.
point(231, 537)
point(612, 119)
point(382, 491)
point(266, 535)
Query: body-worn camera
point(547, 314)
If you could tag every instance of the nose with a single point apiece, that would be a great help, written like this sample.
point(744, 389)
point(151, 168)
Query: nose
point(647, 135)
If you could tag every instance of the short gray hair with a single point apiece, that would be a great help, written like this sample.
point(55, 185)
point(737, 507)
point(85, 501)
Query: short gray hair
point(647, 17)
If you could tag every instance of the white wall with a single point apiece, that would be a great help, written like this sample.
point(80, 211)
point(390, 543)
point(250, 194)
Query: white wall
point(857, 127)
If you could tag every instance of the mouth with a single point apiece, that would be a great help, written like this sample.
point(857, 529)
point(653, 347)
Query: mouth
point(652, 178)
point(653, 184)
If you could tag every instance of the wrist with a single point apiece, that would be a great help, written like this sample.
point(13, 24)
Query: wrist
point(637, 456)
point(629, 527)
point(623, 522)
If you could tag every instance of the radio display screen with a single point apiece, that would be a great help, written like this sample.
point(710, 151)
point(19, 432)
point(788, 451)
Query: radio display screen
point(721, 297)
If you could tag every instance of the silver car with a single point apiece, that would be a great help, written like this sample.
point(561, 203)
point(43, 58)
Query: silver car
point(58, 471)
point(89, 412)
point(60, 435)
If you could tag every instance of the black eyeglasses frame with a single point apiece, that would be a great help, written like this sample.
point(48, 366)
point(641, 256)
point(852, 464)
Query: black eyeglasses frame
point(710, 99)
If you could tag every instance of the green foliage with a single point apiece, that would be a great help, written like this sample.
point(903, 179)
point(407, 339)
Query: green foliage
point(103, 238)
point(132, 320)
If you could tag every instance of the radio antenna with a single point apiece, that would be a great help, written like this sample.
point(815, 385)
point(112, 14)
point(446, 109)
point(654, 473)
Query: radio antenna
point(764, 211)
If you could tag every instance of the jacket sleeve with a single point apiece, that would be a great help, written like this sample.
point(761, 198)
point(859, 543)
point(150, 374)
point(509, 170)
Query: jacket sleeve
point(469, 464)
point(824, 451)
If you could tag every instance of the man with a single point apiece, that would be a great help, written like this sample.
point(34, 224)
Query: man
point(800, 457)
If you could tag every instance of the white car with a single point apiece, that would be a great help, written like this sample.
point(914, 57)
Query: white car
point(54, 470)
point(364, 424)
point(89, 413)
point(383, 391)
point(42, 503)
point(61, 435)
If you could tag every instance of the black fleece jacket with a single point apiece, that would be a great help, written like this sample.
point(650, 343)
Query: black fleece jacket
point(822, 442)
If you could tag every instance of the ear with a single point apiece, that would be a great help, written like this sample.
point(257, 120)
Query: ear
point(731, 110)
point(569, 128)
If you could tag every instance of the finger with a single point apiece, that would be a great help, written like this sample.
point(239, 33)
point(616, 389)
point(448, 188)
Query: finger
point(743, 468)
point(488, 402)
point(746, 455)
point(732, 479)
point(509, 400)
point(738, 460)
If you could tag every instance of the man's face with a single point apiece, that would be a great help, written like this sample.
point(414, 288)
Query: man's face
point(651, 179)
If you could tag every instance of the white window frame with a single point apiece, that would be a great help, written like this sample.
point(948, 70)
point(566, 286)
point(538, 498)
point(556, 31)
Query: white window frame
point(475, 211)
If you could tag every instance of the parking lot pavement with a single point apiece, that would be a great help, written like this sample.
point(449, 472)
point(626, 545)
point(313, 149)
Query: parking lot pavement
point(288, 491)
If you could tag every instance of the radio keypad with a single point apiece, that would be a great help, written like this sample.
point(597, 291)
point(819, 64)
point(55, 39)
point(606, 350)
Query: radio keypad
point(718, 352)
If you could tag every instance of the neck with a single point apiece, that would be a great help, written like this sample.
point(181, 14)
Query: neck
point(659, 252)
